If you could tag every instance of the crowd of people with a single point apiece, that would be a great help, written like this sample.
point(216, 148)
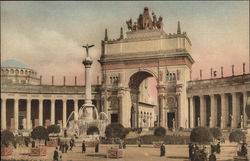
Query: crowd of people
point(64, 148)
point(197, 153)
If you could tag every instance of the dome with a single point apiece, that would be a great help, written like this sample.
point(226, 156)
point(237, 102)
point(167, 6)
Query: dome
point(14, 64)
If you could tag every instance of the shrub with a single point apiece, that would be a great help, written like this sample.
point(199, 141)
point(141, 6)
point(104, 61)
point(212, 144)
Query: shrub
point(40, 133)
point(6, 137)
point(92, 129)
point(216, 133)
point(168, 139)
point(201, 135)
point(237, 136)
point(114, 130)
point(126, 131)
point(53, 129)
point(160, 131)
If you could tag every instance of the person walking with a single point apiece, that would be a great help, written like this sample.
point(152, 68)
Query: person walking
point(59, 156)
point(33, 144)
point(212, 157)
point(139, 142)
point(218, 148)
point(162, 149)
point(66, 147)
point(97, 147)
point(71, 144)
point(83, 147)
point(55, 156)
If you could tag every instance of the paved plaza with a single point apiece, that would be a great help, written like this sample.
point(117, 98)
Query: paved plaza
point(132, 153)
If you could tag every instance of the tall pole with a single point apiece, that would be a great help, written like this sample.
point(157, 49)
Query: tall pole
point(87, 63)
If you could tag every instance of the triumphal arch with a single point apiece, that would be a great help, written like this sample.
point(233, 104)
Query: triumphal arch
point(146, 51)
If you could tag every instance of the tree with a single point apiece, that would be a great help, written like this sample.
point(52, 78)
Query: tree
point(40, 133)
point(92, 129)
point(201, 135)
point(160, 131)
point(53, 129)
point(216, 133)
point(114, 130)
point(237, 136)
point(6, 137)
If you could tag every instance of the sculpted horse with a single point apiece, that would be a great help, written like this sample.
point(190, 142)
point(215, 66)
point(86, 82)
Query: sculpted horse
point(129, 24)
point(159, 23)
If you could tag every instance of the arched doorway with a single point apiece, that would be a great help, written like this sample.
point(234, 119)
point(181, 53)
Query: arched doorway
point(143, 95)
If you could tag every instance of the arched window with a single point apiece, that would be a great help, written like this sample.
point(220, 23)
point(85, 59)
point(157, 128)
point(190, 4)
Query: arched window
point(26, 72)
point(174, 76)
point(11, 71)
point(170, 76)
point(17, 72)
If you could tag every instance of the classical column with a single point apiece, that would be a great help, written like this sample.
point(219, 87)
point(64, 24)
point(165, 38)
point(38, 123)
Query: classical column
point(16, 123)
point(52, 111)
point(64, 113)
point(28, 114)
point(213, 110)
point(3, 114)
point(224, 111)
point(192, 112)
point(234, 110)
point(244, 110)
point(75, 109)
point(161, 113)
point(202, 111)
point(179, 111)
point(120, 110)
point(40, 112)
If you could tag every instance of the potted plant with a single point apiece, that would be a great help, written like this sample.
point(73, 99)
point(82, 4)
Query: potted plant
point(201, 135)
point(112, 131)
point(91, 131)
point(39, 133)
point(159, 132)
point(6, 138)
point(53, 129)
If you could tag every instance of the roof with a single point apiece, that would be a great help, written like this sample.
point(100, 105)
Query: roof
point(14, 64)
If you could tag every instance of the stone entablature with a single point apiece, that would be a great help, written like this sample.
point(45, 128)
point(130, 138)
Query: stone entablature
point(220, 85)
point(47, 89)
point(141, 44)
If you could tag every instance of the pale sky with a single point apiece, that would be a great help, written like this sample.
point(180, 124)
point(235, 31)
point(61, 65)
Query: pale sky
point(48, 35)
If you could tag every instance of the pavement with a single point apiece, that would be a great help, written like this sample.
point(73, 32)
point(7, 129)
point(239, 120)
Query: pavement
point(132, 153)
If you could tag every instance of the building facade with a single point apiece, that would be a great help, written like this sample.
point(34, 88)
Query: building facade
point(126, 63)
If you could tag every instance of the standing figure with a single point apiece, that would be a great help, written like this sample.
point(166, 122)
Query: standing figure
point(173, 124)
point(66, 147)
point(58, 140)
point(162, 149)
point(212, 157)
point(97, 147)
point(241, 121)
point(71, 144)
point(218, 148)
point(33, 144)
point(139, 142)
point(199, 121)
point(55, 156)
point(83, 147)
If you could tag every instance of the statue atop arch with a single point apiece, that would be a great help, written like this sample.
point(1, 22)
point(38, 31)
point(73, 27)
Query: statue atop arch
point(145, 22)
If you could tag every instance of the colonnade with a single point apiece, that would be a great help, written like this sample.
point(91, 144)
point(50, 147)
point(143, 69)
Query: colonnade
point(28, 124)
point(145, 119)
point(224, 110)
